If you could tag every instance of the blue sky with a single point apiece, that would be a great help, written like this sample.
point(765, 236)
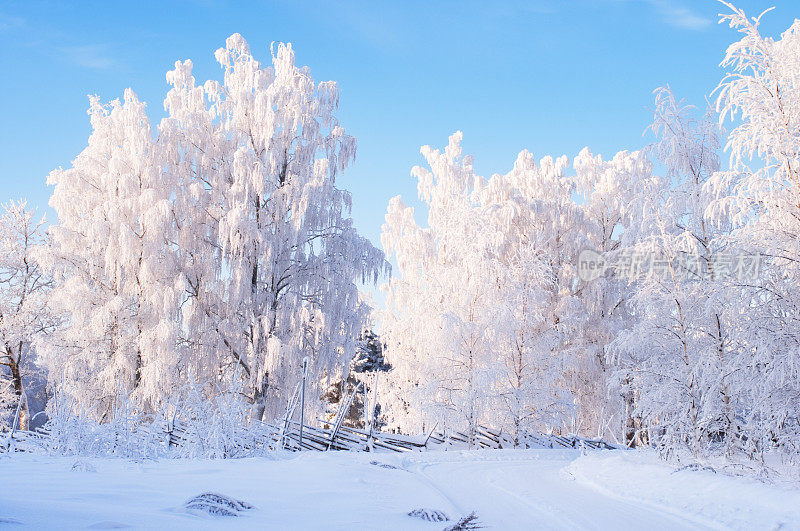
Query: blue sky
point(548, 76)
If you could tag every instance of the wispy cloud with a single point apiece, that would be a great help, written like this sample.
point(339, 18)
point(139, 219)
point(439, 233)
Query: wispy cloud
point(9, 22)
point(56, 44)
point(679, 16)
point(376, 27)
point(91, 56)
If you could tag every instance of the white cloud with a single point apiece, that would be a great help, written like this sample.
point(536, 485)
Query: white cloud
point(679, 16)
point(91, 56)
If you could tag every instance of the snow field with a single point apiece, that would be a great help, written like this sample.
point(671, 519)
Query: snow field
point(508, 489)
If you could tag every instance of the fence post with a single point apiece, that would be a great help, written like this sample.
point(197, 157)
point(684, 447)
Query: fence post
point(303, 400)
point(373, 407)
point(14, 423)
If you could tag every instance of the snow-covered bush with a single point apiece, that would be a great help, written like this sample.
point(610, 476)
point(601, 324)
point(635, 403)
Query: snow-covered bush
point(213, 504)
point(214, 422)
point(128, 433)
point(194, 422)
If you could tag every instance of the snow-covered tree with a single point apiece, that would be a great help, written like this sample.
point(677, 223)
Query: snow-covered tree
point(362, 375)
point(272, 260)
point(674, 353)
point(369, 356)
point(760, 195)
point(437, 327)
point(482, 322)
point(538, 232)
point(615, 196)
point(220, 246)
point(24, 317)
point(114, 282)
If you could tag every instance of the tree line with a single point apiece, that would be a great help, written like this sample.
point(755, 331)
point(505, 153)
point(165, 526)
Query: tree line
point(651, 298)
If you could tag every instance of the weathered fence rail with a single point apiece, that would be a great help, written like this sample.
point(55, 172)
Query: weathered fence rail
point(285, 434)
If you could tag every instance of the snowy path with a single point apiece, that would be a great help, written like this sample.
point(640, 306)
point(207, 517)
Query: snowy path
point(537, 493)
point(507, 489)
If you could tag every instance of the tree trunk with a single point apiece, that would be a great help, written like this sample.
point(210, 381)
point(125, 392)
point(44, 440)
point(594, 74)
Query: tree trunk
point(137, 377)
point(260, 399)
point(630, 425)
point(22, 401)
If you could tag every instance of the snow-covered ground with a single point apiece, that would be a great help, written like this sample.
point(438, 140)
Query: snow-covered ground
point(508, 489)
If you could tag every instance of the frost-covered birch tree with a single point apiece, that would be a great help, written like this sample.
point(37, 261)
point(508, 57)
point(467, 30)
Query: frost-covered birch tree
point(537, 232)
point(24, 316)
point(272, 258)
point(437, 325)
point(482, 316)
point(674, 353)
point(760, 195)
point(615, 196)
point(222, 246)
point(113, 280)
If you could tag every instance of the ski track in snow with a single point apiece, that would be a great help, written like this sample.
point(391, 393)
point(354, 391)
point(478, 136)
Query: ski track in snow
point(533, 493)
point(508, 490)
